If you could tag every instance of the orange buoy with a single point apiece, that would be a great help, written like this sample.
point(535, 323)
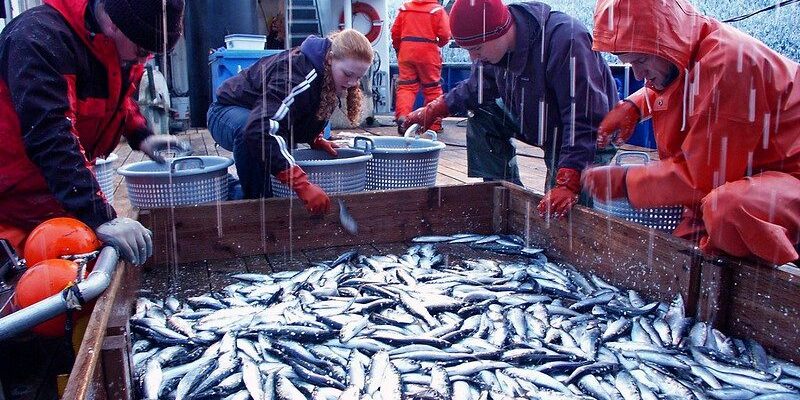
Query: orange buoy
point(59, 237)
point(41, 281)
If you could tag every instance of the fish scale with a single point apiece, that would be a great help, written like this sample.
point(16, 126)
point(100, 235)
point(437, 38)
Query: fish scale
point(426, 325)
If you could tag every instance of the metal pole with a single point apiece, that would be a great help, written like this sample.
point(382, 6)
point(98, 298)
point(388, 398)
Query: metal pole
point(97, 281)
point(348, 14)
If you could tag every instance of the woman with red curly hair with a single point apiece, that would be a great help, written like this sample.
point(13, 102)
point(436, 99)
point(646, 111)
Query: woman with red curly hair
point(288, 98)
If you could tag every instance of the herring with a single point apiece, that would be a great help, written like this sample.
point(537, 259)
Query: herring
point(423, 325)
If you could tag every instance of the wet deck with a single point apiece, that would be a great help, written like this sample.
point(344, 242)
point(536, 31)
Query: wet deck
point(452, 161)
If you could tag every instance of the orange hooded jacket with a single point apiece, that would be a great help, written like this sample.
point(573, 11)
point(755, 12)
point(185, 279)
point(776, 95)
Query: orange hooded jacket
point(421, 28)
point(733, 111)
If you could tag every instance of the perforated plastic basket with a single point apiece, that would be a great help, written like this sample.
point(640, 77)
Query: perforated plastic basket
point(665, 219)
point(343, 174)
point(182, 181)
point(104, 173)
point(401, 162)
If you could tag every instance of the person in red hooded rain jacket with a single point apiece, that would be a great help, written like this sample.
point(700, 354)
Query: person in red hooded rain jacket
point(726, 114)
point(420, 29)
point(68, 69)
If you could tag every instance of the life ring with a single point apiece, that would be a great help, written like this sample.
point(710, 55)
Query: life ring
point(372, 15)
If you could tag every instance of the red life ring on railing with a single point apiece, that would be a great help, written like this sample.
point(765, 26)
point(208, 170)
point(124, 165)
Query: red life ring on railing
point(372, 15)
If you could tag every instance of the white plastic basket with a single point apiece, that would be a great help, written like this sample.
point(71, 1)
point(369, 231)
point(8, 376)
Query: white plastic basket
point(182, 181)
point(665, 219)
point(240, 41)
point(104, 173)
point(401, 162)
point(343, 174)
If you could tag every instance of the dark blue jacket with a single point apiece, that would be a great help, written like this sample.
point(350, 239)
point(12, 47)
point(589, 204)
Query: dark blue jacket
point(553, 82)
point(262, 89)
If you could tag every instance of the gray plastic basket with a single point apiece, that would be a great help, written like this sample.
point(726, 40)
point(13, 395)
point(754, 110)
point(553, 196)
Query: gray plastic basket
point(182, 181)
point(343, 174)
point(104, 173)
point(401, 162)
point(665, 219)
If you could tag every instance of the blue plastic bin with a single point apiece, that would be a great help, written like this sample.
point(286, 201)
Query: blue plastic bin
point(643, 136)
point(227, 63)
point(452, 74)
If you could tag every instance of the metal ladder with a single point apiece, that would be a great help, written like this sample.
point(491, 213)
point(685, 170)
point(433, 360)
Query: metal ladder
point(302, 21)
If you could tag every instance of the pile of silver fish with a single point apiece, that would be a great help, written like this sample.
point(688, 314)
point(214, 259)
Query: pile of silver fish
point(422, 326)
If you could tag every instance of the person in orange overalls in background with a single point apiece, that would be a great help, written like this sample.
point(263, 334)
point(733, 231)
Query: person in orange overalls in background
point(726, 114)
point(420, 29)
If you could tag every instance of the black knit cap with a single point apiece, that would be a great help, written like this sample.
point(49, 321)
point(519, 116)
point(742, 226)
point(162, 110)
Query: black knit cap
point(142, 21)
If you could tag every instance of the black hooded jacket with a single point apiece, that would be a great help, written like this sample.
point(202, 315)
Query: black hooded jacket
point(263, 88)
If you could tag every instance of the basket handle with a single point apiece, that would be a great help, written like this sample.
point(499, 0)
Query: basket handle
point(633, 154)
point(431, 133)
point(173, 165)
point(414, 128)
point(368, 146)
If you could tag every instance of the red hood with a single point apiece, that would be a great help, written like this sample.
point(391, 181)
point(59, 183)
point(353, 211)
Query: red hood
point(73, 11)
point(102, 46)
point(670, 29)
point(420, 5)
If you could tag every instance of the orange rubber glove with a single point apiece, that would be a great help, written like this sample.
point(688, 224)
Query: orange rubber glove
point(623, 119)
point(428, 115)
point(559, 200)
point(606, 183)
point(321, 143)
point(315, 199)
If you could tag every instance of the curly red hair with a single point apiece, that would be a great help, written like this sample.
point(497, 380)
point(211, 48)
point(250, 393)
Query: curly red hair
point(346, 44)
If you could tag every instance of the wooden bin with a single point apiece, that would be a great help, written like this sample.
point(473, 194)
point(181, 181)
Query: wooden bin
point(203, 245)
point(755, 301)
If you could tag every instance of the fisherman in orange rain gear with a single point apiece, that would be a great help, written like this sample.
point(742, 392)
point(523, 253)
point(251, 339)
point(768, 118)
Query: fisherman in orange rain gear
point(726, 115)
point(421, 28)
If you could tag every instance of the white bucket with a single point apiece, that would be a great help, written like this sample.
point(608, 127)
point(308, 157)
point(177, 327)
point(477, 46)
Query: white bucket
point(181, 107)
point(241, 41)
point(104, 173)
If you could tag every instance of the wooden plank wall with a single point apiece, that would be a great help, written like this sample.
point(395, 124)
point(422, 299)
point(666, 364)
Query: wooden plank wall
point(210, 242)
point(251, 227)
point(625, 254)
point(743, 299)
point(88, 379)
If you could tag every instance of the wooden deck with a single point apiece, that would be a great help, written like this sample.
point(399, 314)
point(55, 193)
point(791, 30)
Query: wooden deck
point(452, 161)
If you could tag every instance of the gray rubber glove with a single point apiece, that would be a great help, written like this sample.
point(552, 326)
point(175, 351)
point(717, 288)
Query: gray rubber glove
point(155, 145)
point(133, 241)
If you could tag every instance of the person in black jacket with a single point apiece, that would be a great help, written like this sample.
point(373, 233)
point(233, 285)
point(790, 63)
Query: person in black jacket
point(288, 98)
point(67, 72)
point(535, 78)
